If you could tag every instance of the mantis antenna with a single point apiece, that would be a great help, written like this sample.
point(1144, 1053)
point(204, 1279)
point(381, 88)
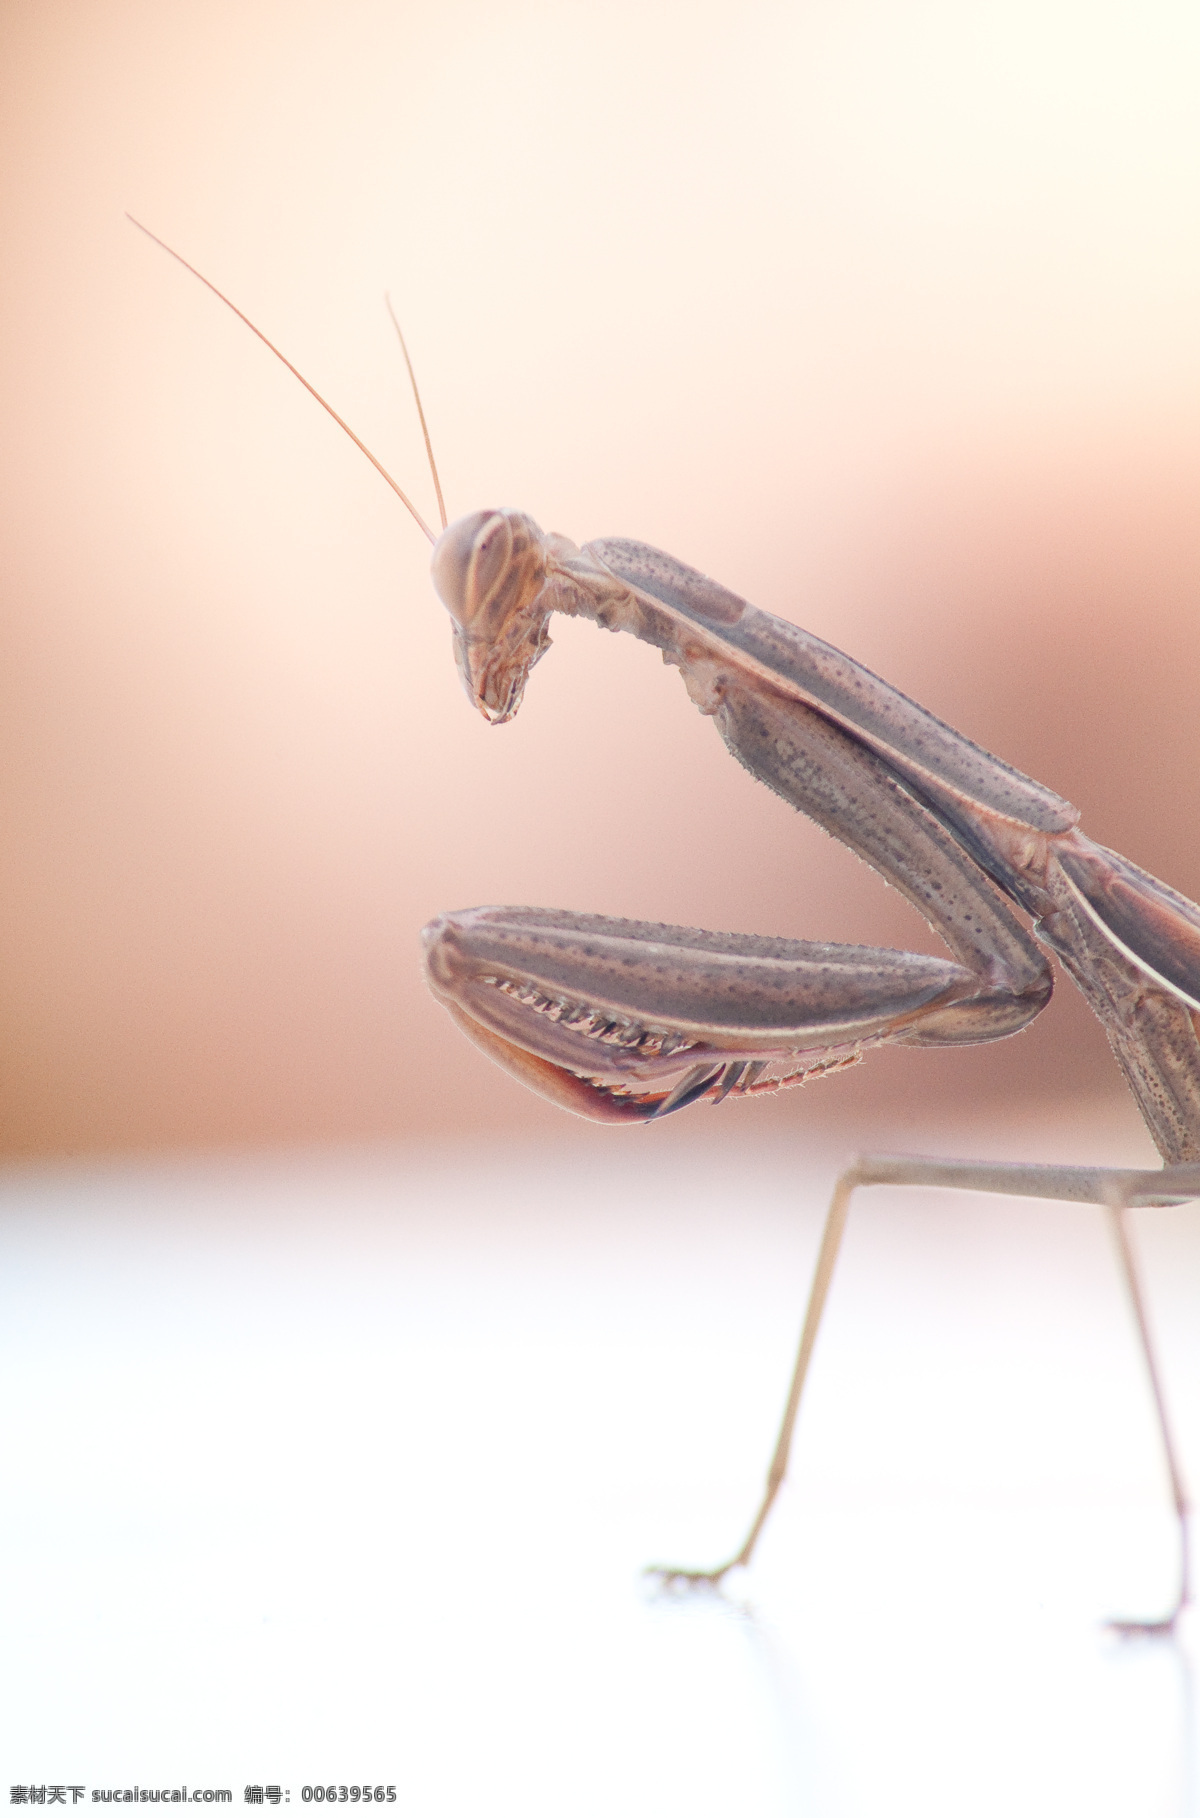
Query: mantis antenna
point(312, 390)
point(412, 377)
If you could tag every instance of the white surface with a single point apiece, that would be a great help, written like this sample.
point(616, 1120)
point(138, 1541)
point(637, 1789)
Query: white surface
point(344, 1469)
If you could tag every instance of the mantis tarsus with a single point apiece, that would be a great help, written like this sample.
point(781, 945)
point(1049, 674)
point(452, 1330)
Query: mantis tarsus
point(629, 1021)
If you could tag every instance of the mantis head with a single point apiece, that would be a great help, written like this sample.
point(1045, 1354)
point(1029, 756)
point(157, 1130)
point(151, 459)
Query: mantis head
point(490, 572)
point(489, 568)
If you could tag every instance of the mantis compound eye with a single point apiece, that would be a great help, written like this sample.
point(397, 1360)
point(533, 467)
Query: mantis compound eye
point(470, 563)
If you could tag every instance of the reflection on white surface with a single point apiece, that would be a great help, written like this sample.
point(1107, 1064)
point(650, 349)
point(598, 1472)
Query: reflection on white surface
point(345, 1469)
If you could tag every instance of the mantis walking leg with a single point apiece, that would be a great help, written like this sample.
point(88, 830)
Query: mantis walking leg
point(1114, 1189)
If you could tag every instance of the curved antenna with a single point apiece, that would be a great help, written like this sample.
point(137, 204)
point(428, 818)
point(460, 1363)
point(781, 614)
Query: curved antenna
point(437, 484)
point(341, 423)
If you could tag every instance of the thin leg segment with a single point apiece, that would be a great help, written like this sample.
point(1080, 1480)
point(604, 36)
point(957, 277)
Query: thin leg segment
point(1118, 1213)
point(831, 1243)
point(1114, 1189)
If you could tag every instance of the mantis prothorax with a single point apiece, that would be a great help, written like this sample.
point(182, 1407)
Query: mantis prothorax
point(627, 1021)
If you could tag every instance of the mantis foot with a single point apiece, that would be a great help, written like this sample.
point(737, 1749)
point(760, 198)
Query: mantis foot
point(684, 1578)
point(1130, 1628)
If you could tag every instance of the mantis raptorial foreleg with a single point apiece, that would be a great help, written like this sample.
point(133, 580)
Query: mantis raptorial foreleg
point(608, 1017)
point(628, 1021)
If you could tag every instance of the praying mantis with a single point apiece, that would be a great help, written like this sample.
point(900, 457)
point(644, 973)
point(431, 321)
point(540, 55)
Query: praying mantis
point(628, 1022)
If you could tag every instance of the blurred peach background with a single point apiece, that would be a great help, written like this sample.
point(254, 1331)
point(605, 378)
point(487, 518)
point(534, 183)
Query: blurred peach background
point(886, 316)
